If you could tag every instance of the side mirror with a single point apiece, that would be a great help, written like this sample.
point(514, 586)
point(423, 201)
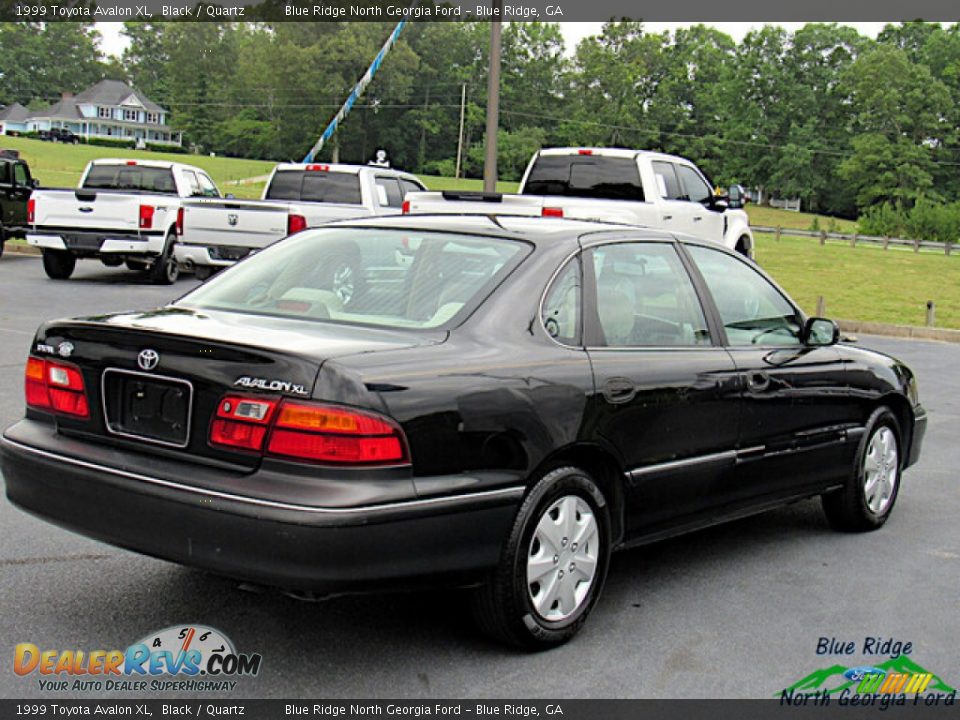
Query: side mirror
point(820, 332)
point(230, 196)
point(735, 197)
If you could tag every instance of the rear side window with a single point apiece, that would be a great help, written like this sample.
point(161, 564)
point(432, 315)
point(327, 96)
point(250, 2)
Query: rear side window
point(587, 176)
point(207, 187)
point(137, 178)
point(561, 305)
point(192, 183)
point(388, 192)
point(315, 186)
point(667, 181)
point(409, 186)
point(4, 173)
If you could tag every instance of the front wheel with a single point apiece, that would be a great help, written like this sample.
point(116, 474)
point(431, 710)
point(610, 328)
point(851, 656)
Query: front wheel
point(867, 498)
point(59, 264)
point(553, 565)
point(165, 269)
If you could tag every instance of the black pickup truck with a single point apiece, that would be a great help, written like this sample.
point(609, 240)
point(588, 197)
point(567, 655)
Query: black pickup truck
point(16, 185)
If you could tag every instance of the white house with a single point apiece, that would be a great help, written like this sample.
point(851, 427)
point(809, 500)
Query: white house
point(109, 109)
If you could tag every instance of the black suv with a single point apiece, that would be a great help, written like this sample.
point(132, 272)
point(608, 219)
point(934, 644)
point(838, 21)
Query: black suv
point(16, 185)
point(60, 135)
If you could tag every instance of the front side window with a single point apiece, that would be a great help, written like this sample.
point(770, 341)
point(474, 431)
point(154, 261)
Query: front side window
point(20, 175)
point(193, 183)
point(398, 278)
point(561, 305)
point(645, 297)
point(751, 308)
point(695, 187)
point(207, 187)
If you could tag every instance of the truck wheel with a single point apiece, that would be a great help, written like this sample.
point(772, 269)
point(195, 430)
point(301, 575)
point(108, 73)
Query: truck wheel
point(59, 264)
point(553, 565)
point(743, 247)
point(165, 269)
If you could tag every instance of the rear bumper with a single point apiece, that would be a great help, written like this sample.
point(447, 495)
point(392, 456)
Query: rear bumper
point(99, 242)
point(451, 538)
point(200, 255)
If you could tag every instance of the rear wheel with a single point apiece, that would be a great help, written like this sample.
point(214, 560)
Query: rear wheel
point(743, 247)
point(553, 565)
point(59, 264)
point(867, 499)
point(165, 269)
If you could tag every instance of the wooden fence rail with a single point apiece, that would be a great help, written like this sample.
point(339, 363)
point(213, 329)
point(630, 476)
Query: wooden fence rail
point(856, 238)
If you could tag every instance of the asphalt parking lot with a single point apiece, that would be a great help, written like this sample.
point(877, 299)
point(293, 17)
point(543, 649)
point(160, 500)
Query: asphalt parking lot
point(733, 611)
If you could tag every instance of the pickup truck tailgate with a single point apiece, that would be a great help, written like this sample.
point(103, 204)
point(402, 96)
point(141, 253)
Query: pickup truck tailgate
point(253, 224)
point(91, 209)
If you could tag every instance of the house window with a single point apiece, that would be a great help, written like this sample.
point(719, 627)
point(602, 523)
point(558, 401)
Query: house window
point(104, 112)
point(153, 118)
point(130, 115)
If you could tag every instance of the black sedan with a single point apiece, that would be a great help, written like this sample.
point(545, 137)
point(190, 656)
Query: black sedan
point(499, 404)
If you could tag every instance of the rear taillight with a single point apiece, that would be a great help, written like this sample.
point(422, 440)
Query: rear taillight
point(308, 431)
point(31, 211)
point(585, 151)
point(56, 386)
point(180, 221)
point(242, 422)
point(552, 212)
point(405, 207)
point(317, 168)
point(146, 216)
point(295, 223)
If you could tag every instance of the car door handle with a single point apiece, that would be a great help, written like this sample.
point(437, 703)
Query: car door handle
point(668, 217)
point(757, 381)
point(698, 218)
point(617, 391)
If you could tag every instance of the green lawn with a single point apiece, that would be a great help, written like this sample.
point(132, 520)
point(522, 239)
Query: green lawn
point(865, 282)
point(771, 217)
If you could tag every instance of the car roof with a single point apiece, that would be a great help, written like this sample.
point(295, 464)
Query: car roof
point(609, 152)
point(340, 168)
point(164, 164)
point(516, 227)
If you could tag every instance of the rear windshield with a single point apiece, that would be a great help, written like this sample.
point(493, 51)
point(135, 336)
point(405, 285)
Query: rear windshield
point(315, 186)
point(138, 178)
point(365, 276)
point(586, 176)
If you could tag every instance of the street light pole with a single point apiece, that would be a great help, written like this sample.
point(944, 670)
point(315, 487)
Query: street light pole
point(493, 102)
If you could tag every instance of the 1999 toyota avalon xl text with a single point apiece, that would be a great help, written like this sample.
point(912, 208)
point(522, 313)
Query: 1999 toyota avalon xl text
point(501, 403)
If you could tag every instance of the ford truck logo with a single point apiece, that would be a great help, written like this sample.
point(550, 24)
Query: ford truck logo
point(148, 359)
point(232, 218)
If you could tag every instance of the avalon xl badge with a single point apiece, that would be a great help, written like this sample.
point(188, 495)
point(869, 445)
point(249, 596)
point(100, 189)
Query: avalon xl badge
point(148, 359)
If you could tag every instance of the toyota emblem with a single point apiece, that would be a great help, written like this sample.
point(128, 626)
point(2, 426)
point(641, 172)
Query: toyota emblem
point(148, 359)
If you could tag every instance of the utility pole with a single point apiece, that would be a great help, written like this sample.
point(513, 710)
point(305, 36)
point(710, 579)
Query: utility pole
point(463, 105)
point(493, 101)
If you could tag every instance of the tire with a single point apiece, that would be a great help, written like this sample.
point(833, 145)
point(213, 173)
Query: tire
point(136, 265)
point(59, 264)
point(879, 465)
point(518, 608)
point(3, 241)
point(743, 247)
point(165, 270)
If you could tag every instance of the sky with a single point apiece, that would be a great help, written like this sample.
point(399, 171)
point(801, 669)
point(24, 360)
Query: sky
point(113, 42)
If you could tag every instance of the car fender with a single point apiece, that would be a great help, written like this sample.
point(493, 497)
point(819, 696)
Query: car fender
point(738, 226)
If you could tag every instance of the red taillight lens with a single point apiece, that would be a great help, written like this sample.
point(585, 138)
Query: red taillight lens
point(56, 386)
point(242, 422)
point(31, 211)
point(296, 223)
point(307, 431)
point(405, 207)
point(317, 168)
point(584, 152)
point(180, 221)
point(332, 434)
point(146, 216)
point(35, 385)
point(552, 212)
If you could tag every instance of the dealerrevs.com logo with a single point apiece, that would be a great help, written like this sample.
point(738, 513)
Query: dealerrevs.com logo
point(178, 658)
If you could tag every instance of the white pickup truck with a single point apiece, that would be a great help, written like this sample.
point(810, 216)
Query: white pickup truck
point(633, 187)
point(122, 211)
point(217, 233)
